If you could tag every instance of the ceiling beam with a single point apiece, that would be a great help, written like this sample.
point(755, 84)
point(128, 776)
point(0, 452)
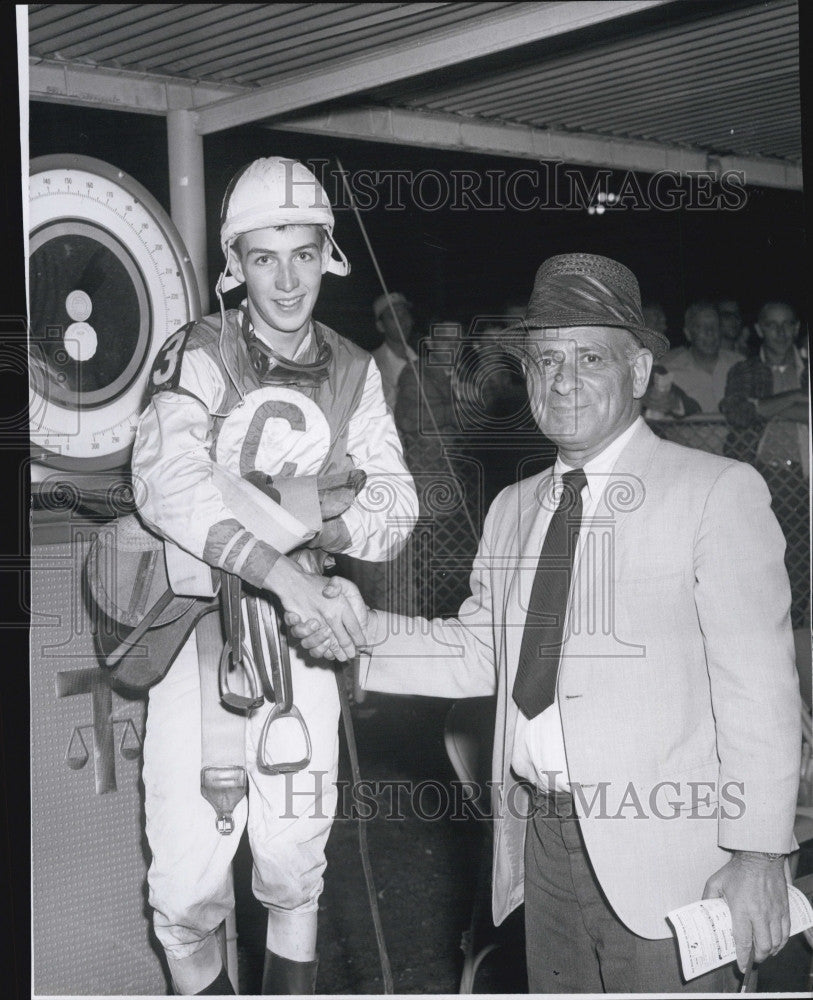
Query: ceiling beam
point(119, 90)
point(413, 128)
point(482, 36)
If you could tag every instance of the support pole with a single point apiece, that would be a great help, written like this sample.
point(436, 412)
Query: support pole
point(186, 192)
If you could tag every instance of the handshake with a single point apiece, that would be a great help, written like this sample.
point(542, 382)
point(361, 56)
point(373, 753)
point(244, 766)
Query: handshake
point(343, 631)
point(327, 614)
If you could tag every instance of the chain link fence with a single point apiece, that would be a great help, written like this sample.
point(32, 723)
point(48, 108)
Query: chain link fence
point(430, 576)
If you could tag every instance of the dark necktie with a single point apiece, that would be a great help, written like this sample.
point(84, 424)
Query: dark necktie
point(541, 649)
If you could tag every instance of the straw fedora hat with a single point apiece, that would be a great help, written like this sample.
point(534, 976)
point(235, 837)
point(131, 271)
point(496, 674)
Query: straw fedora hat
point(583, 289)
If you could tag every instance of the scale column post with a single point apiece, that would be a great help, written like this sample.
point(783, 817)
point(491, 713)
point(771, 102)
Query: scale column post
point(186, 192)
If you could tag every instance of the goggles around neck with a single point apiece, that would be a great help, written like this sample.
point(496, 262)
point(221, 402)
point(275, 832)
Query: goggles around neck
point(274, 369)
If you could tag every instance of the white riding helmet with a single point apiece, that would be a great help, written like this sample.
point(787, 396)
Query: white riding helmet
point(274, 191)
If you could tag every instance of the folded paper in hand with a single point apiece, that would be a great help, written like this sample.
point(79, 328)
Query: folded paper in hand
point(705, 936)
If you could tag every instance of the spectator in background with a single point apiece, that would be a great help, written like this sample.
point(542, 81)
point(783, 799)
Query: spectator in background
point(395, 321)
point(388, 584)
point(734, 334)
point(766, 395)
point(766, 406)
point(655, 317)
point(663, 400)
point(424, 406)
point(700, 369)
point(513, 309)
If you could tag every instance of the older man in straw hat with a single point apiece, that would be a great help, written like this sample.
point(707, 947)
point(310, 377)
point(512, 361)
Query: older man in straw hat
point(630, 609)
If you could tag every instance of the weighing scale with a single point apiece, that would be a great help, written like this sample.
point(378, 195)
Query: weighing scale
point(109, 280)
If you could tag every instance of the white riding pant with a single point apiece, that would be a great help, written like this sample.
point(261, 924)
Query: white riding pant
point(288, 815)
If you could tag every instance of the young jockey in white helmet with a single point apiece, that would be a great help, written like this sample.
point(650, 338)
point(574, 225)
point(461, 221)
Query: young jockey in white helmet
point(273, 396)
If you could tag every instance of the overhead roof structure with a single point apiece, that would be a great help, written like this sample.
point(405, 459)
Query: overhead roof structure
point(634, 84)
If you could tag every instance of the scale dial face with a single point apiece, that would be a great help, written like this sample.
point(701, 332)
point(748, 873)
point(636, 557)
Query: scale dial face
point(109, 280)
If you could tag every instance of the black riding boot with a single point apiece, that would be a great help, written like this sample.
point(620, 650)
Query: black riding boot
point(284, 976)
point(220, 986)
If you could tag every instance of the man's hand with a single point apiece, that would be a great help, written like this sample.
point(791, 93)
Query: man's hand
point(756, 891)
point(333, 605)
point(313, 635)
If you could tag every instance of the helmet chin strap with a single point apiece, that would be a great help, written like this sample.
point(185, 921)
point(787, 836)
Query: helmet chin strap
point(225, 283)
point(340, 266)
point(271, 367)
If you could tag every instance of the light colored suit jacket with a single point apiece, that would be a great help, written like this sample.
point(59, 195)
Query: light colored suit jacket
point(677, 684)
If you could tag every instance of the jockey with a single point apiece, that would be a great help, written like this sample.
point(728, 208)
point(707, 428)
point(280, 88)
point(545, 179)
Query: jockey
point(273, 396)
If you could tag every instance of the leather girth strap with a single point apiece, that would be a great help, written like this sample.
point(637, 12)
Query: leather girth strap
point(223, 778)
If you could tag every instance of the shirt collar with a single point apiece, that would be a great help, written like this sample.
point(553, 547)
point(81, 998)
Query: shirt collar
point(601, 465)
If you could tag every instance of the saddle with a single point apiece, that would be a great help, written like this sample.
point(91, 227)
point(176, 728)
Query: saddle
point(147, 595)
point(140, 623)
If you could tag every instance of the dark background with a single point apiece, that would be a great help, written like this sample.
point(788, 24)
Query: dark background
point(457, 263)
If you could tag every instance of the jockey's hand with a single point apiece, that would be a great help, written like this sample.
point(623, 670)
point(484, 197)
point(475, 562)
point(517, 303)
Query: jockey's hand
point(337, 492)
point(333, 604)
point(334, 536)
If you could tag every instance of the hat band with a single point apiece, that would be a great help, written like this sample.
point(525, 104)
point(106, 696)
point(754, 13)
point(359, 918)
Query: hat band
point(584, 298)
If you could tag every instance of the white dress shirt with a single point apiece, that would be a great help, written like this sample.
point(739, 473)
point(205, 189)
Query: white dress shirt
point(539, 744)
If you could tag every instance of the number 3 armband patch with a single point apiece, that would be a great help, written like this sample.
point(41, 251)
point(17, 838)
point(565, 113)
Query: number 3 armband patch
point(166, 369)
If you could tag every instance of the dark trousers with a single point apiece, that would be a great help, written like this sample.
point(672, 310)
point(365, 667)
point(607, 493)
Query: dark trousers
point(574, 941)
